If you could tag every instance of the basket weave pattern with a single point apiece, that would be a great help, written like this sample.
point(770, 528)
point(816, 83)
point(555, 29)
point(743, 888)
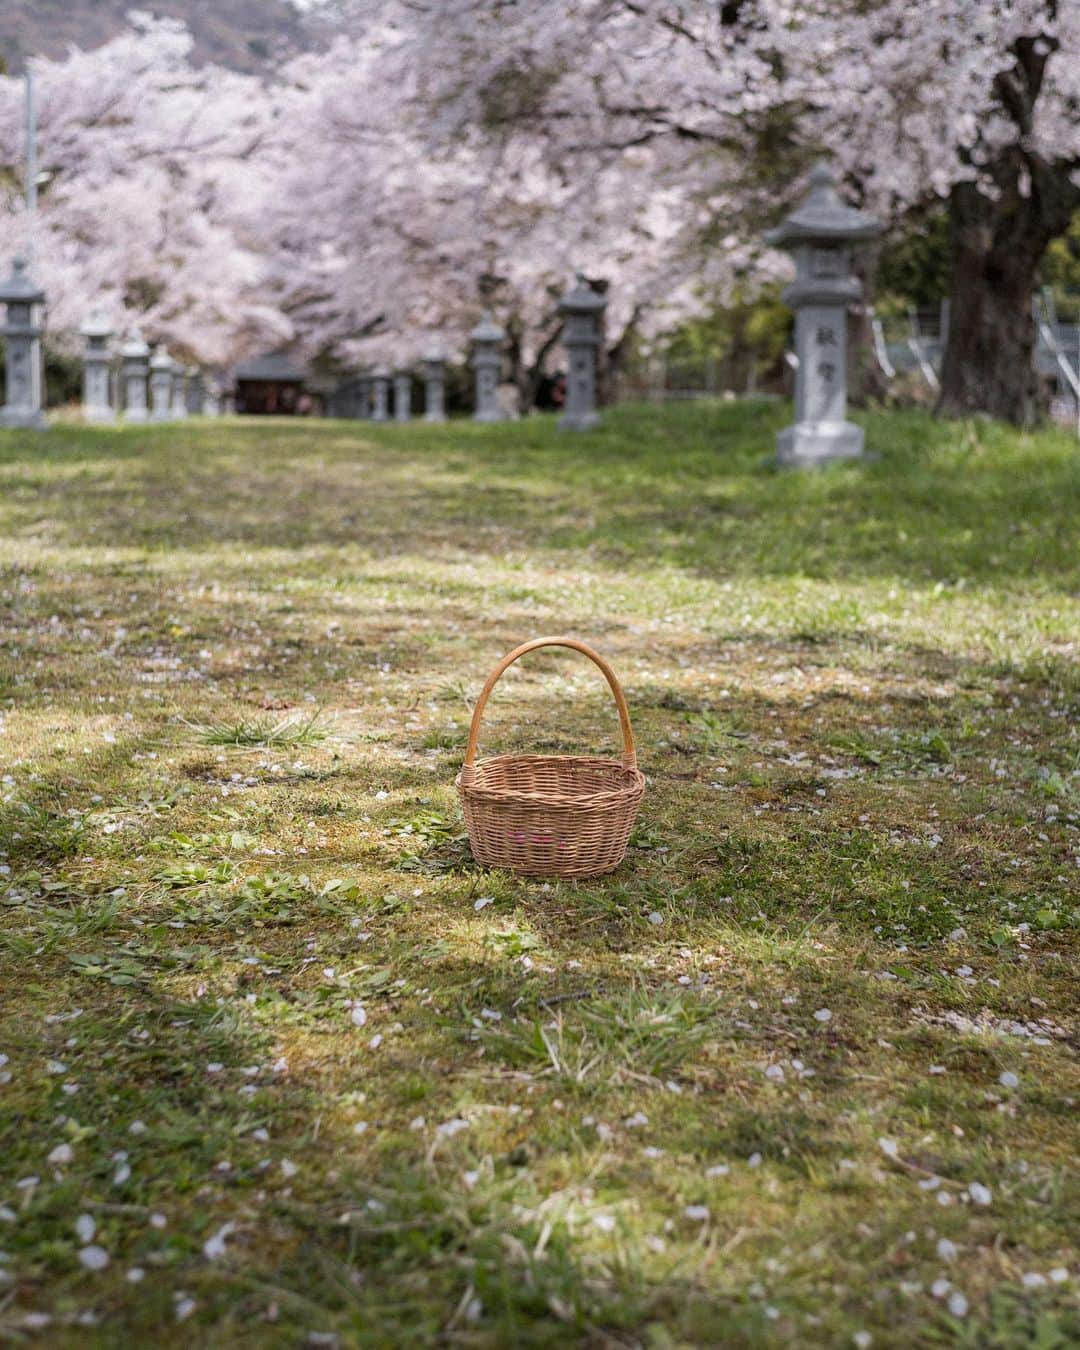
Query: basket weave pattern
point(550, 815)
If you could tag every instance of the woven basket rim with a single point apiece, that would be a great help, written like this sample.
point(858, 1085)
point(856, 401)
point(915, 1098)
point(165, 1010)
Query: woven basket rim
point(632, 786)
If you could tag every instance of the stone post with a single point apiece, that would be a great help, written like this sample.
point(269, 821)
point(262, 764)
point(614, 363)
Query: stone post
point(820, 233)
point(97, 402)
point(581, 308)
point(487, 338)
point(434, 385)
point(380, 389)
point(179, 390)
point(363, 397)
point(134, 364)
point(161, 377)
point(402, 395)
point(22, 335)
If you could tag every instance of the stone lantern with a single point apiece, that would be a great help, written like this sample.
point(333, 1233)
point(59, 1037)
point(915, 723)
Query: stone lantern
point(434, 384)
point(402, 395)
point(581, 309)
point(161, 378)
point(97, 405)
point(134, 364)
point(820, 233)
point(212, 399)
point(487, 338)
point(380, 394)
point(22, 334)
point(179, 390)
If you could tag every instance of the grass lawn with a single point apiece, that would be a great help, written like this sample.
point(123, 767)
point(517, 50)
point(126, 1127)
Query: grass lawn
point(279, 1066)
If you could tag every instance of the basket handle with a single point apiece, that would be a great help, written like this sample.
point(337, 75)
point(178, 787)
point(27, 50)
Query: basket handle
point(629, 755)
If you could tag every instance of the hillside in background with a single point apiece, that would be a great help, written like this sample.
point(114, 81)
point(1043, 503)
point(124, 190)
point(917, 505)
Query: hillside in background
point(243, 34)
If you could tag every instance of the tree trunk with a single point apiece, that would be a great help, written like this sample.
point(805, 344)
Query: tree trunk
point(531, 376)
point(517, 372)
point(998, 239)
point(613, 359)
point(866, 380)
point(997, 246)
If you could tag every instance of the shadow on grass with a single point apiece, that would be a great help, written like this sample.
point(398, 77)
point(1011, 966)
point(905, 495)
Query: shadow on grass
point(725, 834)
point(682, 486)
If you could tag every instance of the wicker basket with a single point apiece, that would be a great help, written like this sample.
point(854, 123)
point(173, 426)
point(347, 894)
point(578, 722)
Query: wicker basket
point(550, 815)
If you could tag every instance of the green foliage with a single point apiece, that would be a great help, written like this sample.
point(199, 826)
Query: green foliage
point(750, 332)
point(63, 376)
point(914, 266)
point(195, 874)
point(1061, 269)
point(176, 841)
point(30, 830)
point(913, 271)
point(261, 732)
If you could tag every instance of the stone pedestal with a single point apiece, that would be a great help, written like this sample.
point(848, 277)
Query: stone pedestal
point(97, 401)
point(161, 379)
point(487, 339)
point(581, 309)
point(380, 394)
point(434, 385)
point(134, 368)
point(821, 431)
point(820, 232)
point(402, 395)
point(179, 391)
point(22, 337)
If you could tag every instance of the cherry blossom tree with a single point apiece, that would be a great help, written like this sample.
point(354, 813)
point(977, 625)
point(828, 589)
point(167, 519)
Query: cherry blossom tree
point(146, 159)
point(330, 211)
point(442, 154)
point(963, 102)
point(978, 106)
point(384, 234)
